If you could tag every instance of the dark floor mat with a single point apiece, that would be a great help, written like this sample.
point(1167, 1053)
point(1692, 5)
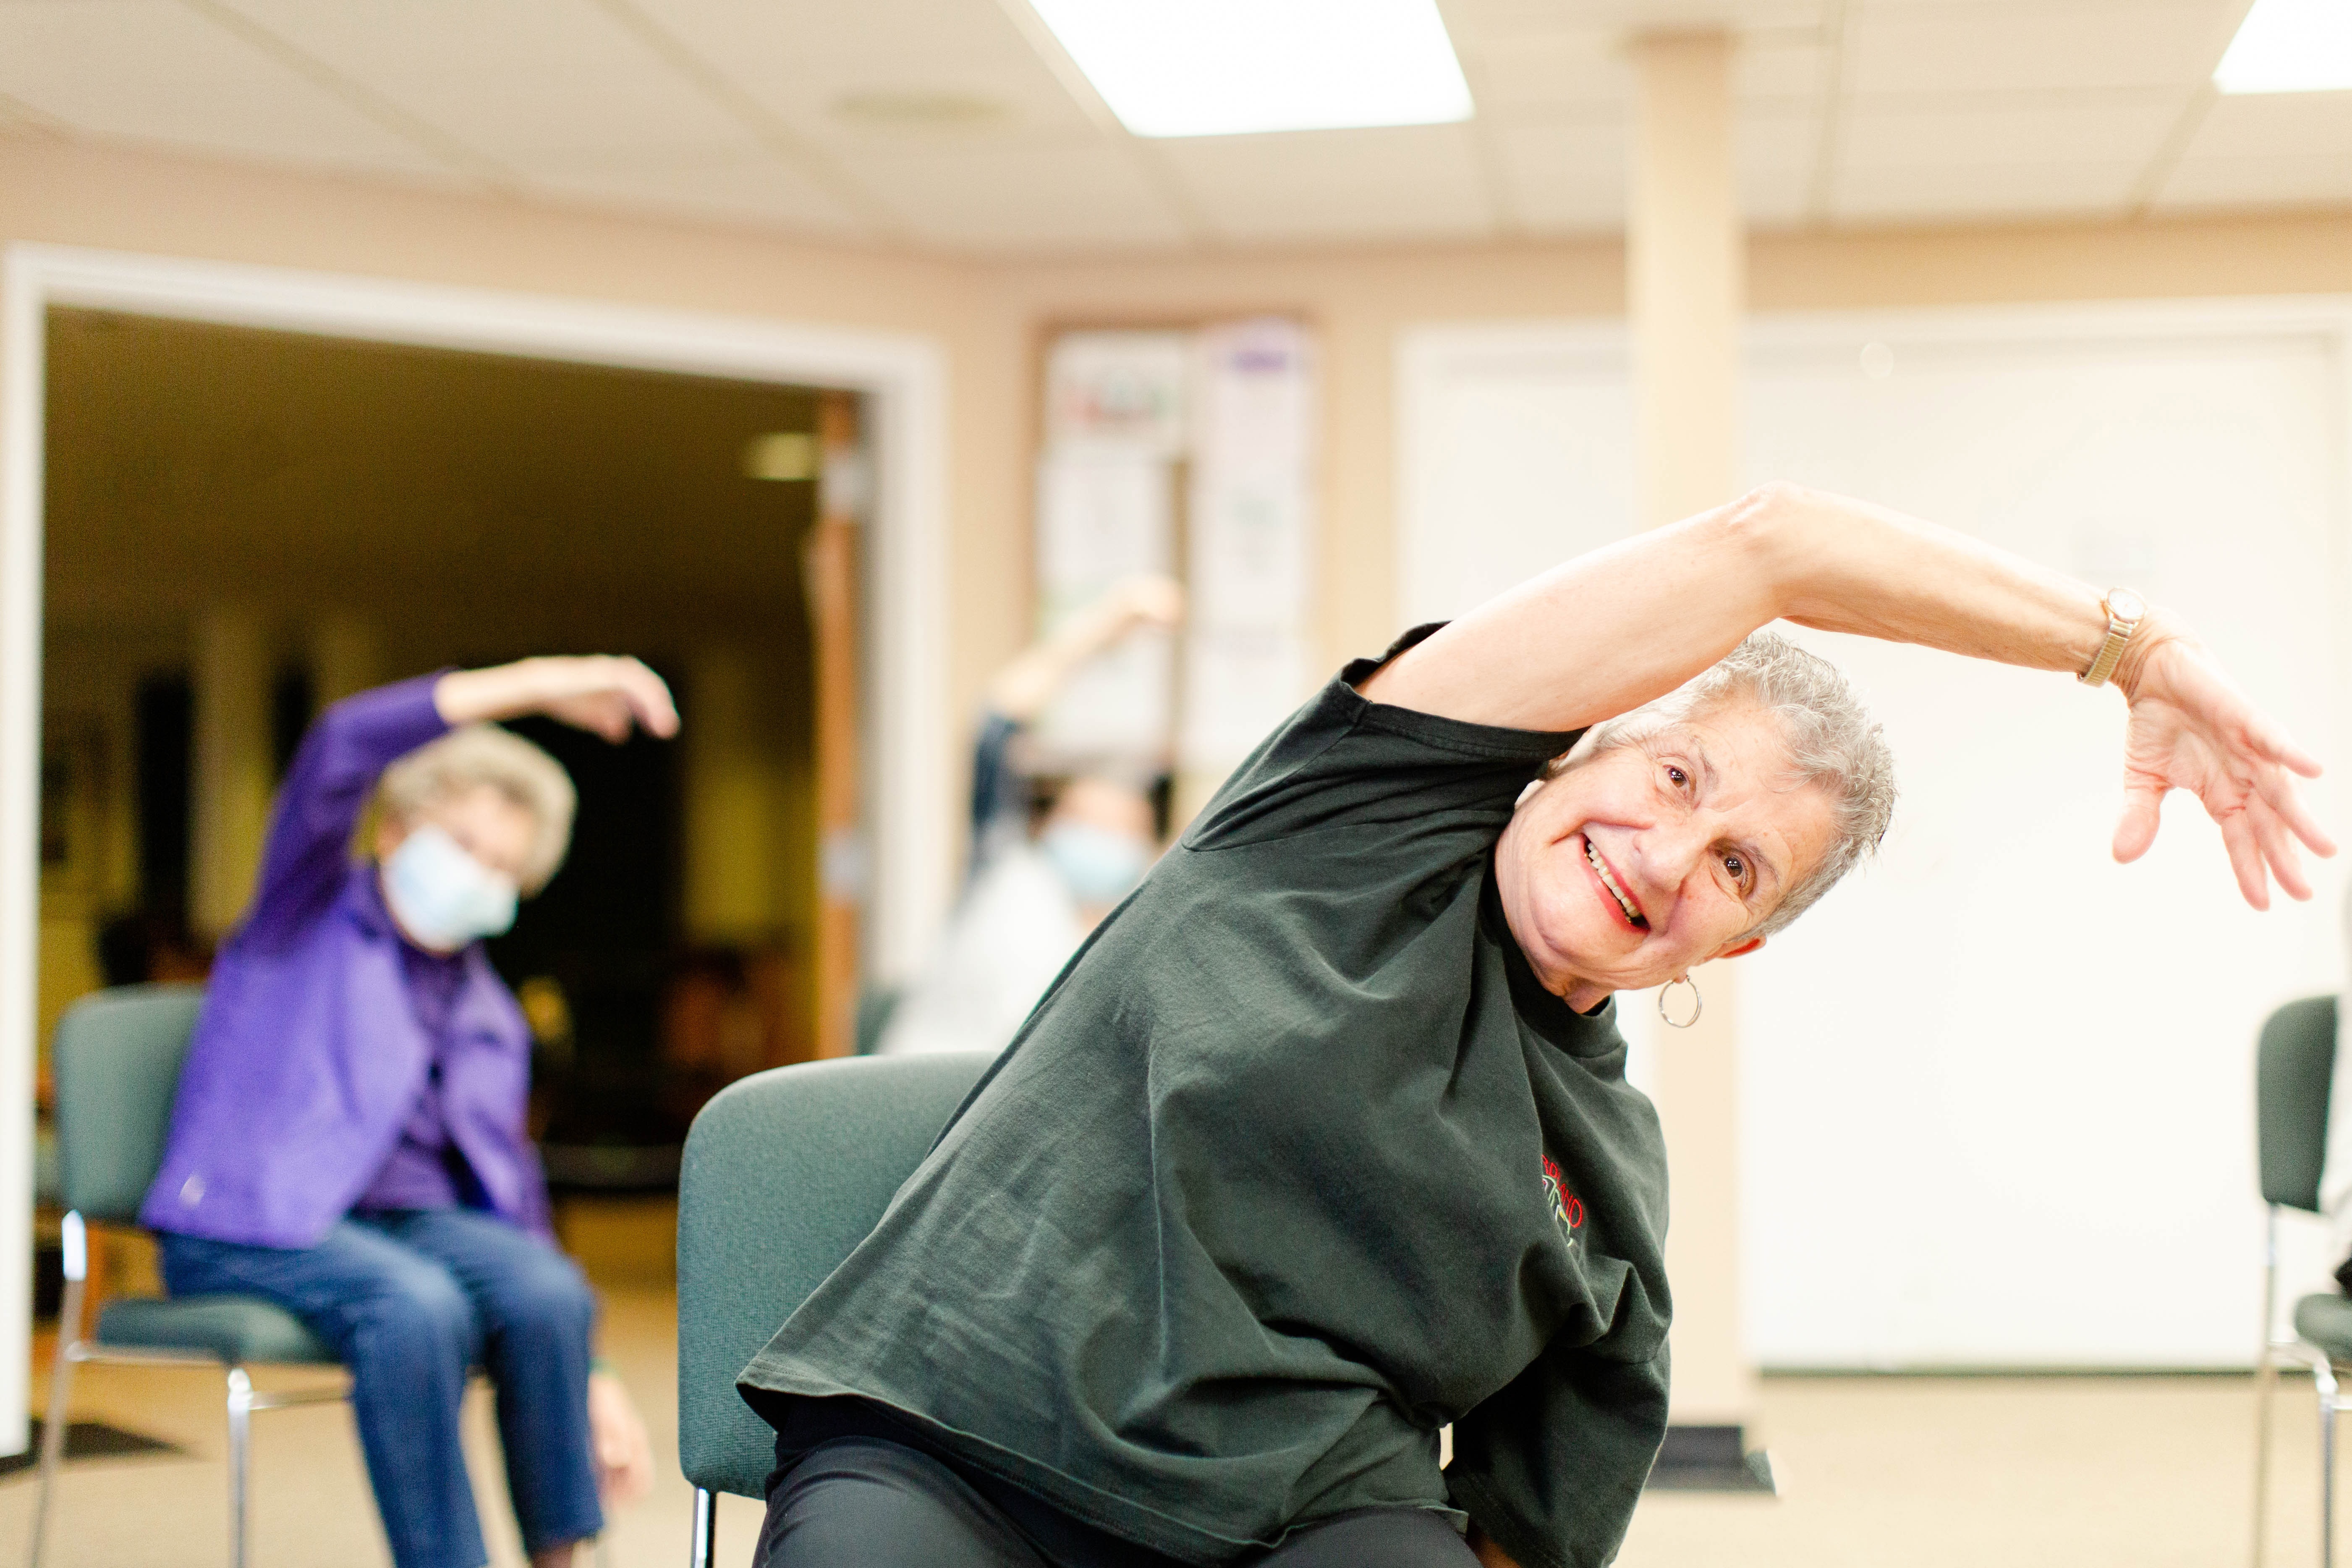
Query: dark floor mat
point(86, 1441)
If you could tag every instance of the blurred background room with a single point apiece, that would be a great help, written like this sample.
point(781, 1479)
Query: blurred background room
point(827, 357)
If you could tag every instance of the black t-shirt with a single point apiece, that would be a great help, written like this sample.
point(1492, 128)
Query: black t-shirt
point(1295, 1165)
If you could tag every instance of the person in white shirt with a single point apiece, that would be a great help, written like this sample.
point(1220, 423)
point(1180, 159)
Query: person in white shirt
point(1040, 879)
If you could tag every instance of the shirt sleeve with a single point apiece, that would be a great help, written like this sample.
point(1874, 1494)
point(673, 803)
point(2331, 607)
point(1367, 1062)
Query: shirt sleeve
point(1343, 761)
point(1552, 1465)
point(333, 772)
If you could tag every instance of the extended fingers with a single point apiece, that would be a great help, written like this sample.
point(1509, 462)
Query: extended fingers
point(2267, 740)
point(2278, 791)
point(2278, 848)
point(2246, 858)
point(649, 698)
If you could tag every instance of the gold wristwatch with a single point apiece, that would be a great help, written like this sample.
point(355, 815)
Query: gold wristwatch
point(2126, 610)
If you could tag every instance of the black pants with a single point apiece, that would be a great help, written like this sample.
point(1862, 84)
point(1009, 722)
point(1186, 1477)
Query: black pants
point(864, 1502)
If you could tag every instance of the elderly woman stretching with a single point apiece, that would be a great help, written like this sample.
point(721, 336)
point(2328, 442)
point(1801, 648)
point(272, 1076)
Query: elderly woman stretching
point(348, 1139)
point(1324, 1140)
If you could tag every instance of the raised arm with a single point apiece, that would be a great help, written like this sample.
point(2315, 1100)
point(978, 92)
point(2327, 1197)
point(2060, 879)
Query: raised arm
point(1609, 631)
point(602, 693)
point(1021, 689)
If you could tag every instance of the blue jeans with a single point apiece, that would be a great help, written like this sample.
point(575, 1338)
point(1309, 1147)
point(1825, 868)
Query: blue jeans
point(409, 1301)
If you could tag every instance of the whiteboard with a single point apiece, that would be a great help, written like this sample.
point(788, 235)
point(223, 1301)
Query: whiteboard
point(1996, 1093)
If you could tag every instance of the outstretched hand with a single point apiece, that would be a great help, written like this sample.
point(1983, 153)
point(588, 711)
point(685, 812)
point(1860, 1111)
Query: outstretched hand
point(607, 695)
point(2192, 729)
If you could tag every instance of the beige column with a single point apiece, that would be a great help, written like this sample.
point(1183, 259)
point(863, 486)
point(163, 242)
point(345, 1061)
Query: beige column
point(346, 657)
point(1686, 264)
point(733, 799)
point(229, 777)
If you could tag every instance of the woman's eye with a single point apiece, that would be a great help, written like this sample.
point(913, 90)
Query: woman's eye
point(1736, 867)
point(1676, 775)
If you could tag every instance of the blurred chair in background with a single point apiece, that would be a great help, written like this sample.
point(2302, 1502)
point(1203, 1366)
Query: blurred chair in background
point(2296, 1061)
point(118, 1056)
point(785, 1172)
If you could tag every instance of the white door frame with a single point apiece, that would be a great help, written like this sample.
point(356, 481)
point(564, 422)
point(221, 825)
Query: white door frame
point(902, 376)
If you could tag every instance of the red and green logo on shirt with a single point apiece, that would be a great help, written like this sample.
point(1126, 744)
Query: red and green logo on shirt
point(1566, 1206)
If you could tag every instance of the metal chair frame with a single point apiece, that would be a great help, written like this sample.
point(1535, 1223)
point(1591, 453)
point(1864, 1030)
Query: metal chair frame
point(243, 1401)
point(2292, 1350)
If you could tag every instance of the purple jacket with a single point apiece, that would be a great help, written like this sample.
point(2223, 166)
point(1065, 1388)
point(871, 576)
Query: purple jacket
point(308, 1056)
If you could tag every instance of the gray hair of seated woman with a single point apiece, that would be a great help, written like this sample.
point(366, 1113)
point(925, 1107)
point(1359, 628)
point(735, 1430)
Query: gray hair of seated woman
point(479, 755)
point(1833, 746)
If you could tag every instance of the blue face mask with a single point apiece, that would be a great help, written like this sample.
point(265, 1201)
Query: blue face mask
point(443, 897)
point(1098, 866)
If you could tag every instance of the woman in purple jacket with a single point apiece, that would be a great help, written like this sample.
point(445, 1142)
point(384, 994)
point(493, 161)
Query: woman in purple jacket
point(349, 1137)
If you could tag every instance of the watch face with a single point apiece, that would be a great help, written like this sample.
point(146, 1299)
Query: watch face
point(2126, 605)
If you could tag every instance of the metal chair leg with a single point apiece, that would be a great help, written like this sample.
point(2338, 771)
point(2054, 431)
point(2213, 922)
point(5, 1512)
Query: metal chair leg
point(2325, 1376)
point(240, 1443)
point(706, 1528)
point(2265, 1382)
point(53, 1429)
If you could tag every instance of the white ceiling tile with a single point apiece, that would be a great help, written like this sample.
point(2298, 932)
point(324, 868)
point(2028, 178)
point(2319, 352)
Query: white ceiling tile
point(512, 78)
point(757, 189)
point(1577, 74)
point(1944, 133)
point(2275, 125)
point(802, 62)
point(2206, 184)
point(1564, 179)
point(1985, 47)
point(1409, 182)
point(149, 71)
point(1582, 72)
point(1484, 20)
point(1776, 154)
point(1774, 70)
point(1947, 193)
point(1019, 197)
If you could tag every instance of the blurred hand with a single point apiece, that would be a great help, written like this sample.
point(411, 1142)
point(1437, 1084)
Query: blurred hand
point(2190, 728)
point(607, 695)
point(625, 1457)
point(1147, 599)
point(600, 693)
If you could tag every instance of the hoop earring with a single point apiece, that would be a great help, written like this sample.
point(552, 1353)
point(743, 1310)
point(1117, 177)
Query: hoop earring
point(1698, 1002)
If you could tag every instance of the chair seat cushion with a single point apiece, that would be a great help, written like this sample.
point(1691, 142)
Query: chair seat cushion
point(236, 1328)
point(2326, 1322)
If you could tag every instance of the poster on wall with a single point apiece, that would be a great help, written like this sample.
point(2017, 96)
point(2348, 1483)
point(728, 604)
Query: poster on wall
point(1114, 430)
point(1103, 515)
point(1251, 539)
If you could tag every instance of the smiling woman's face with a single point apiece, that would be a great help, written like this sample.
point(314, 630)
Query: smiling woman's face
point(1650, 858)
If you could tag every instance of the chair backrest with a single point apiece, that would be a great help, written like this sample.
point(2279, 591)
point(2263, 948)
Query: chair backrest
point(785, 1172)
point(2292, 1071)
point(116, 1059)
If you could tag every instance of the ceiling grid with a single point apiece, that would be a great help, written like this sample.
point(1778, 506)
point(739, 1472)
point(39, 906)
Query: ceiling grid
point(961, 126)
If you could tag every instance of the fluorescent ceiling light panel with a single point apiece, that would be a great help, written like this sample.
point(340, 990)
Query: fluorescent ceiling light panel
point(2289, 46)
point(1227, 68)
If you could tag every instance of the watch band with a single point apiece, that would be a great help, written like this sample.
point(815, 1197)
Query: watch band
point(2126, 610)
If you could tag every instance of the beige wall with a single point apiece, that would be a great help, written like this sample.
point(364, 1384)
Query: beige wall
point(991, 317)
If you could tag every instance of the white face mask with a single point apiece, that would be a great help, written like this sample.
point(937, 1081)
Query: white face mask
point(1099, 866)
point(443, 897)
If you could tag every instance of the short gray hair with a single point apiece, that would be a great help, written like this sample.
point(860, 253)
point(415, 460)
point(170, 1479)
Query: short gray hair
point(479, 755)
point(1833, 746)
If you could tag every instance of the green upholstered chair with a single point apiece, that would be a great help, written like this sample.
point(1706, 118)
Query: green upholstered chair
point(117, 1059)
point(2292, 1070)
point(785, 1171)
